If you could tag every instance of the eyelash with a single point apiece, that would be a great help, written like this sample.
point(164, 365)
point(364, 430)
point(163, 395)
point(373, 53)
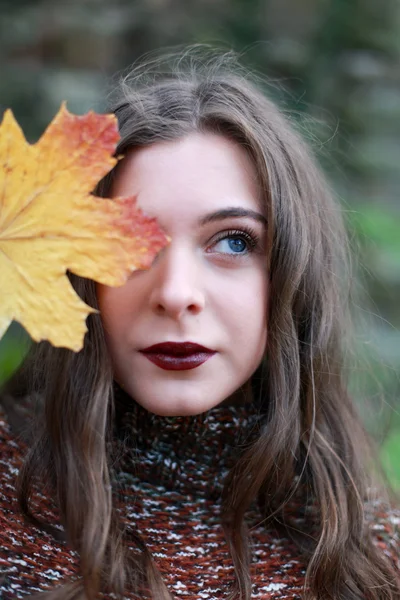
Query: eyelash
point(248, 234)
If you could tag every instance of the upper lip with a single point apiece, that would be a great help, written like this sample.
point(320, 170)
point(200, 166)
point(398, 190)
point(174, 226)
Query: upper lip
point(176, 348)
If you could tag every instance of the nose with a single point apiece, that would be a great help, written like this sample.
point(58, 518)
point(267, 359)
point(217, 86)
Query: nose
point(176, 287)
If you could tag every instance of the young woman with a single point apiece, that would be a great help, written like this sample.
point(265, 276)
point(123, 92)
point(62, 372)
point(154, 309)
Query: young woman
point(203, 443)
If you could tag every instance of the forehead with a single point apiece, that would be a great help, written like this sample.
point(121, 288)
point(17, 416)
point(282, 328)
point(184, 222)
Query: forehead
point(192, 175)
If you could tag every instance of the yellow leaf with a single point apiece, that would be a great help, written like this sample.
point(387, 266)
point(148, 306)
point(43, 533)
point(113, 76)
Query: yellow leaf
point(50, 223)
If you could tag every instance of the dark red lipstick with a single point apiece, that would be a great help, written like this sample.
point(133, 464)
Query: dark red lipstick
point(177, 356)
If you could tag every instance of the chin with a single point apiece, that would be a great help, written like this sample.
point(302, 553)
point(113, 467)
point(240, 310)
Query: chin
point(176, 408)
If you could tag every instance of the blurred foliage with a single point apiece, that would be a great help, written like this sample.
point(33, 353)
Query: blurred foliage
point(13, 347)
point(333, 65)
point(390, 458)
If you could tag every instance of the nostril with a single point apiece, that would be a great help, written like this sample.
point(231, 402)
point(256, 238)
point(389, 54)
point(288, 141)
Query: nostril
point(194, 308)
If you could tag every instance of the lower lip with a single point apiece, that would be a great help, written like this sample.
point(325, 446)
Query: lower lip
point(170, 362)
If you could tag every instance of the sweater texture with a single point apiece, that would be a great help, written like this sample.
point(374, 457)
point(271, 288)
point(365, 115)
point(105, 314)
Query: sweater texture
point(168, 477)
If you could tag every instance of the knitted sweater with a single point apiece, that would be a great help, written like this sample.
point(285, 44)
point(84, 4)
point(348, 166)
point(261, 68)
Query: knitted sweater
point(171, 479)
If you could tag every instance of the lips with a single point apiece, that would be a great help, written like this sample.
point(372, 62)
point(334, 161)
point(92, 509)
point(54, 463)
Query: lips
point(176, 348)
point(177, 356)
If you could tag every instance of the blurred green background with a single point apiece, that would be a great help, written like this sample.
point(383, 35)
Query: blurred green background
point(333, 64)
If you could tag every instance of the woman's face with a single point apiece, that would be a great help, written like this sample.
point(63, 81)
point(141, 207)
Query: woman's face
point(209, 286)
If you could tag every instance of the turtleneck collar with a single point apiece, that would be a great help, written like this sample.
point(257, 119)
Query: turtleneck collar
point(184, 454)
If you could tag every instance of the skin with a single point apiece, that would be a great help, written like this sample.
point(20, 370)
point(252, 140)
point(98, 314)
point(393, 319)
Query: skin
point(202, 289)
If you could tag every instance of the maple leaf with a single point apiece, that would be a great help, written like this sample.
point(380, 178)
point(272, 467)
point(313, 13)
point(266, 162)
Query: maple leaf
point(50, 223)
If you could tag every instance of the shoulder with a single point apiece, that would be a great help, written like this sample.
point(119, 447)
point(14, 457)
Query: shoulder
point(30, 559)
point(383, 521)
point(12, 450)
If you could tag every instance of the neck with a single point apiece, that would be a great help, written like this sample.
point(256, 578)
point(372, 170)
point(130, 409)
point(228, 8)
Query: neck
point(186, 454)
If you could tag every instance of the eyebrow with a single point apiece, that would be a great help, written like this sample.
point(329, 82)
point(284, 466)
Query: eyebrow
point(226, 213)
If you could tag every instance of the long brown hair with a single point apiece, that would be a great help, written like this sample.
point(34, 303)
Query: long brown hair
point(312, 445)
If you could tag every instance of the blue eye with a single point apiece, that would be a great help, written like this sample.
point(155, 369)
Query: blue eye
point(236, 242)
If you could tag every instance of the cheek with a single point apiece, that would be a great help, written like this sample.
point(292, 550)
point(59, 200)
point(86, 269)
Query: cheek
point(245, 309)
point(112, 305)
